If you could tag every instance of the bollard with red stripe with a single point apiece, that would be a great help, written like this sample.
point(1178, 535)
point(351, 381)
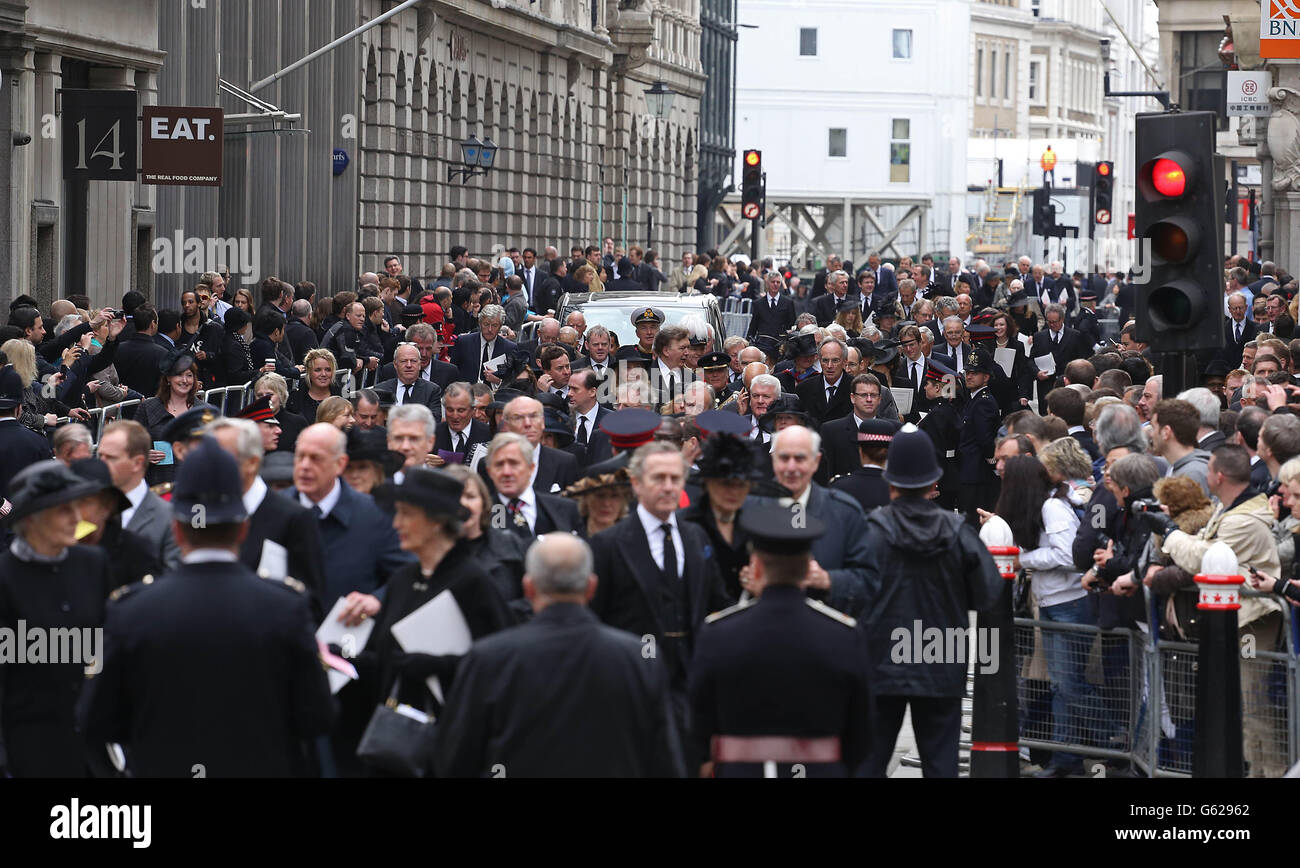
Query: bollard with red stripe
point(995, 719)
point(1217, 749)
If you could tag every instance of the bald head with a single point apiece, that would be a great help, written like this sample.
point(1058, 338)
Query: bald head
point(753, 370)
point(558, 568)
point(319, 456)
point(524, 416)
point(750, 355)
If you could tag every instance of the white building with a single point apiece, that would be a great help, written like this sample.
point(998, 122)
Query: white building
point(861, 109)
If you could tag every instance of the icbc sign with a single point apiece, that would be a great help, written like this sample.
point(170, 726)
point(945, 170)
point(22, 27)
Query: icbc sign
point(182, 145)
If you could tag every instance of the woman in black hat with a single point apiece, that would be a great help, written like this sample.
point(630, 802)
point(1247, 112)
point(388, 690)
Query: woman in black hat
point(428, 517)
point(1021, 308)
point(48, 582)
point(130, 556)
point(370, 461)
point(177, 392)
point(237, 366)
point(499, 552)
point(728, 466)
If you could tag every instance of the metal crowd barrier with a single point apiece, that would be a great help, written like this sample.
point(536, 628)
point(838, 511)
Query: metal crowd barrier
point(1129, 695)
point(736, 316)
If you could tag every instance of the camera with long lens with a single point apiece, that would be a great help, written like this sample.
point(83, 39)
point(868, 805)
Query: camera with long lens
point(1145, 504)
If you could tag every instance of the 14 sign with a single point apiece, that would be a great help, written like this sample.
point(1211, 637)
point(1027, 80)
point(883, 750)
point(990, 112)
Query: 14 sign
point(99, 135)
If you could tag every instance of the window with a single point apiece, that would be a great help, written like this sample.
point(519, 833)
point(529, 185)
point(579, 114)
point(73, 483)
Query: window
point(1035, 82)
point(807, 41)
point(902, 45)
point(1035, 6)
point(1006, 76)
point(839, 143)
point(900, 151)
point(979, 72)
point(993, 73)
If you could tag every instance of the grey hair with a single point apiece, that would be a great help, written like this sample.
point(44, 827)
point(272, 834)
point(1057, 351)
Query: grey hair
point(249, 444)
point(945, 303)
point(421, 330)
point(72, 320)
point(457, 389)
point(276, 383)
point(1236, 295)
point(73, 433)
point(509, 438)
point(636, 465)
point(732, 342)
point(697, 385)
point(871, 333)
point(1286, 474)
point(559, 563)
point(816, 438)
point(1205, 402)
point(765, 380)
point(844, 348)
point(413, 413)
point(837, 276)
point(1134, 472)
point(806, 319)
point(949, 319)
point(595, 331)
point(1118, 425)
point(1056, 308)
point(300, 308)
point(493, 312)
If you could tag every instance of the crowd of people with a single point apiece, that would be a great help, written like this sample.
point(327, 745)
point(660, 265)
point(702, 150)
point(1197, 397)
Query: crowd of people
point(669, 551)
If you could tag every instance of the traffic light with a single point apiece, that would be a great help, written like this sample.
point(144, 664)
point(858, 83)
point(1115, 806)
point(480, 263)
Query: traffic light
point(1179, 231)
point(1103, 182)
point(751, 185)
point(1044, 214)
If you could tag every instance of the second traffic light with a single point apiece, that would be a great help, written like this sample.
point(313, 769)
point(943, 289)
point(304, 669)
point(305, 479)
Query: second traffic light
point(1179, 228)
point(1044, 215)
point(751, 185)
point(1103, 183)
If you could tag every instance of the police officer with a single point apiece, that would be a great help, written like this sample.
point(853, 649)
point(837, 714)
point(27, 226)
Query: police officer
point(1085, 321)
point(865, 484)
point(979, 428)
point(943, 424)
point(182, 433)
point(209, 670)
point(911, 599)
point(646, 321)
point(626, 429)
point(778, 685)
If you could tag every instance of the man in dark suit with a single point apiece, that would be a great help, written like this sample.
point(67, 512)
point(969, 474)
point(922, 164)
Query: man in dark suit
point(458, 431)
point(658, 579)
point(273, 517)
point(598, 358)
point(773, 314)
point(407, 387)
point(520, 504)
point(605, 707)
point(1279, 322)
point(827, 397)
point(1240, 329)
point(19, 445)
point(1064, 344)
point(950, 353)
point(840, 436)
point(139, 358)
point(298, 333)
point(833, 263)
point(211, 664)
point(556, 470)
point(865, 483)
point(359, 547)
point(124, 446)
point(471, 351)
point(1057, 288)
point(909, 370)
point(588, 414)
point(824, 306)
point(886, 280)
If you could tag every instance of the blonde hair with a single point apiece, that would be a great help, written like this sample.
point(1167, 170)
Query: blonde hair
point(1064, 457)
point(22, 356)
point(332, 407)
point(320, 353)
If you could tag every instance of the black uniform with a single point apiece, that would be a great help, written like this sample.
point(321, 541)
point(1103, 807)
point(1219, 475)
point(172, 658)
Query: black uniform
point(943, 424)
point(20, 446)
point(38, 734)
point(562, 695)
point(784, 665)
point(980, 418)
point(865, 485)
point(212, 667)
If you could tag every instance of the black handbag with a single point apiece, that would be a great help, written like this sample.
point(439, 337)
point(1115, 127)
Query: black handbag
point(395, 744)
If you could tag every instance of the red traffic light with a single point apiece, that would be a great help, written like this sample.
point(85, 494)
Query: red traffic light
point(1103, 169)
point(1168, 178)
point(752, 158)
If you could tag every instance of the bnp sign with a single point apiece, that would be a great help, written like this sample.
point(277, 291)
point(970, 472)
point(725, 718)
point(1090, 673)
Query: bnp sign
point(1279, 29)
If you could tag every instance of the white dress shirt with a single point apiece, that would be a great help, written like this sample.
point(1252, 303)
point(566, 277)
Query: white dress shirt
point(656, 538)
point(590, 416)
point(600, 368)
point(210, 556)
point(327, 503)
point(136, 496)
point(528, 501)
point(254, 496)
point(452, 434)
